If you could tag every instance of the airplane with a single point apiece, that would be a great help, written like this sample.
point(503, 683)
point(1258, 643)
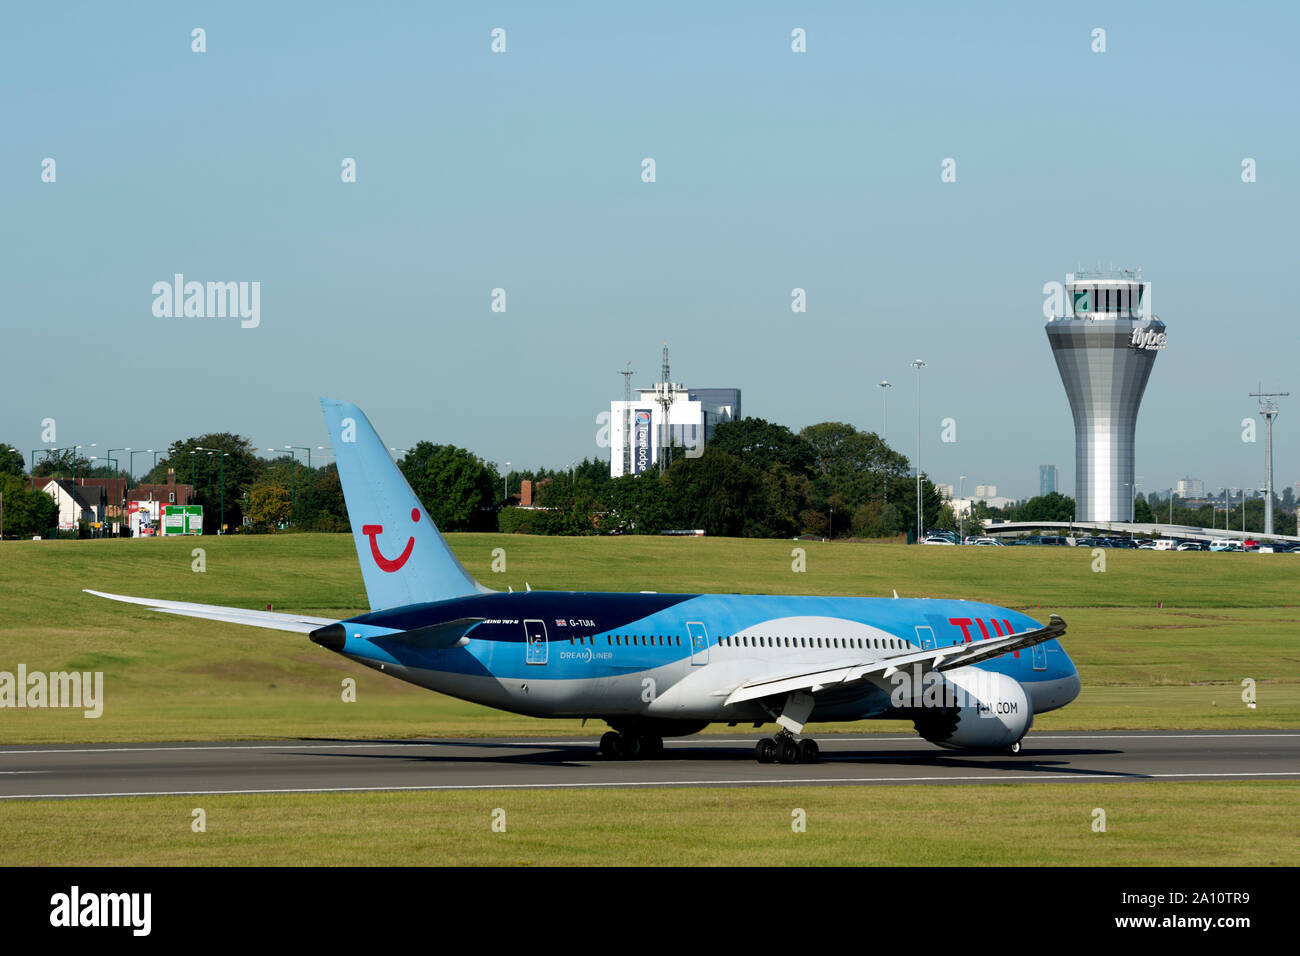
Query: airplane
point(656, 665)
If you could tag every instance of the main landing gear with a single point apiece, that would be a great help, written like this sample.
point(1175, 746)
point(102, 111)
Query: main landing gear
point(618, 746)
point(783, 748)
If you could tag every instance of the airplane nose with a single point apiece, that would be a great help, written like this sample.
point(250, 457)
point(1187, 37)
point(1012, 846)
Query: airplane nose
point(1072, 686)
point(332, 636)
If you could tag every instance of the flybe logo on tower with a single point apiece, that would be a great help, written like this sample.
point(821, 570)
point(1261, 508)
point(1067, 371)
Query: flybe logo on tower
point(1148, 340)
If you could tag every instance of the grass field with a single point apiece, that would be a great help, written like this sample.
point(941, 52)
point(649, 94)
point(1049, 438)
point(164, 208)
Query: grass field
point(1224, 617)
point(1147, 824)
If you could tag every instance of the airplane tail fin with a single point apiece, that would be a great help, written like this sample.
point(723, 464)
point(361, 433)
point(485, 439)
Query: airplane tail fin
point(404, 559)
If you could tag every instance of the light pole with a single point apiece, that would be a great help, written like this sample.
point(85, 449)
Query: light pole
point(293, 470)
point(884, 387)
point(961, 527)
point(224, 455)
point(2, 497)
point(918, 365)
point(221, 526)
point(116, 477)
point(308, 451)
point(505, 482)
point(142, 451)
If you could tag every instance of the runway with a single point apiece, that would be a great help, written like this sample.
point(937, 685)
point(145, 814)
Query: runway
point(323, 765)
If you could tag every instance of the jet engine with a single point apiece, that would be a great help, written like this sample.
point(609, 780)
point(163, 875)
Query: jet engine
point(975, 709)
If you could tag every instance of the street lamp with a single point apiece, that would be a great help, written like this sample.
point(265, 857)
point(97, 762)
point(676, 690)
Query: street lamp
point(505, 482)
point(918, 365)
point(961, 525)
point(142, 451)
point(116, 468)
point(308, 451)
point(221, 527)
point(224, 455)
point(302, 448)
point(293, 477)
point(884, 387)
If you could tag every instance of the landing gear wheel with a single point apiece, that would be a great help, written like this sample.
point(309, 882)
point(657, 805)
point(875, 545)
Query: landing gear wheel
point(809, 752)
point(633, 746)
point(611, 745)
point(652, 747)
point(1014, 748)
point(787, 751)
point(765, 750)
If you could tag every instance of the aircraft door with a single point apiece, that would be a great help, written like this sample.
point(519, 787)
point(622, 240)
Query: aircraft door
point(925, 637)
point(535, 638)
point(1040, 657)
point(698, 635)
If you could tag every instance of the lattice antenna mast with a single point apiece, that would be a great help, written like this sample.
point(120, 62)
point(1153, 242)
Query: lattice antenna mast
point(627, 418)
point(1269, 410)
point(664, 395)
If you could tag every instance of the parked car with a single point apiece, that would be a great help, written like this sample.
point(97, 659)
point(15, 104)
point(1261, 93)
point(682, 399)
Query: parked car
point(933, 539)
point(1224, 544)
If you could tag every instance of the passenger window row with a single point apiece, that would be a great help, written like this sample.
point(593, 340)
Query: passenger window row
point(643, 640)
point(822, 643)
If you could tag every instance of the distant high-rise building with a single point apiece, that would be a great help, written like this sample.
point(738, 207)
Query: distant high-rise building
point(1049, 477)
point(1190, 488)
point(984, 492)
point(1105, 346)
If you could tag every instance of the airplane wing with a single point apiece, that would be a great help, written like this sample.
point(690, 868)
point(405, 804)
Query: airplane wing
point(300, 623)
point(935, 658)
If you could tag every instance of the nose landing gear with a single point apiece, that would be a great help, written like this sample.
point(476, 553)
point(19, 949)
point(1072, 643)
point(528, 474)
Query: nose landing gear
point(618, 746)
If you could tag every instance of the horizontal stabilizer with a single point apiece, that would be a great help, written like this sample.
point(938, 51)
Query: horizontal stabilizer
point(435, 637)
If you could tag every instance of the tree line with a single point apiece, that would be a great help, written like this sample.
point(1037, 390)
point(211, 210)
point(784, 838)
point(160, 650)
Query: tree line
point(754, 478)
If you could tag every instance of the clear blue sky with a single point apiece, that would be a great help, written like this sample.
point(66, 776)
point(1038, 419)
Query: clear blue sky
point(522, 171)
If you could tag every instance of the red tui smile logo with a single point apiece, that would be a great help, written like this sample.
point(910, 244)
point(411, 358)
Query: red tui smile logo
point(389, 564)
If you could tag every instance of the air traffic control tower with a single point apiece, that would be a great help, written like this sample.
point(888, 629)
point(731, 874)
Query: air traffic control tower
point(1105, 345)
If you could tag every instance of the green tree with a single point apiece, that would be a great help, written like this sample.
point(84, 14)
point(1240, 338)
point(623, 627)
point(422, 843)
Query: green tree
point(26, 512)
point(62, 461)
point(268, 505)
point(192, 459)
point(1053, 506)
point(12, 461)
point(718, 493)
point(456, 487)
point(762, 445)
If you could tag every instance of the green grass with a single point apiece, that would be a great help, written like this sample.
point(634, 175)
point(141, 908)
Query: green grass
point(1225, 617)
point(1147, 824)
